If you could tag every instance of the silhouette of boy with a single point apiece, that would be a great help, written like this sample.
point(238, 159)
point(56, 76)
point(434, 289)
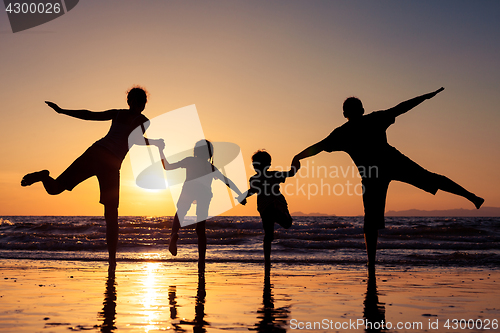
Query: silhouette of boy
point(271, 204)
point(197, 188)
point(103, 159)
point(364, 138)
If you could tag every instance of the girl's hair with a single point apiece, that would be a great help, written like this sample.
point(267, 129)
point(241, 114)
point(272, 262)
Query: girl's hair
point(205, 148)
point(261, 158)
point(138, 94)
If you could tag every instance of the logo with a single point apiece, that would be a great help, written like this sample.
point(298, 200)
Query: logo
point(28, 14)
point(202, 177)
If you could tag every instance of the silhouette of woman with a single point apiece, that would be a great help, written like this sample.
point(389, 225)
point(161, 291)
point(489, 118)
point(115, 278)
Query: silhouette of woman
point(103, 159)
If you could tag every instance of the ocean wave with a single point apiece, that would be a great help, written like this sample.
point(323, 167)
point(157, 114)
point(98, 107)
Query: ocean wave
point(311, 239)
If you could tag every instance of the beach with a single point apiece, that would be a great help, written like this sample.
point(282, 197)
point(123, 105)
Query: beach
point(62, 296)
point(363, 134)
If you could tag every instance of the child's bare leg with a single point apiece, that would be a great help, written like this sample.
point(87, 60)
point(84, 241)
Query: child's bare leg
point(174, 236)
point(267, 257)
point(202, 244)
point(268, 224)
point(51, 185)
point(268, 238)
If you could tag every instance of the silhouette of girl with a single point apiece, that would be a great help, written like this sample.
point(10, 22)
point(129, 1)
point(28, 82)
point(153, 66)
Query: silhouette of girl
point(196, 189)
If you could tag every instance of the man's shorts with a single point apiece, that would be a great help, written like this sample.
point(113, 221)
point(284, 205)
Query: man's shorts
point(405, 170)
point(100, 162)
point(402, 169)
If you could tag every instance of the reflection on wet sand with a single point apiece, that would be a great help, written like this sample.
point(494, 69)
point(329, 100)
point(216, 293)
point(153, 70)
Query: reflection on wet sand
point(271, 319)
point(143, 299)
point(84, 296)
point(172, 302)
point(150, 298)
point(108, 313)
point(199, 322)
point(374, 311)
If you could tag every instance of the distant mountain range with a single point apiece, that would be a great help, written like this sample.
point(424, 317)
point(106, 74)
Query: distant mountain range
point(484, 211)
point(310, 214)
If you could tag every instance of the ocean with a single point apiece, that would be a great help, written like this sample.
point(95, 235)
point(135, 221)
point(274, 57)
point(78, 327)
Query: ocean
point(325, 240)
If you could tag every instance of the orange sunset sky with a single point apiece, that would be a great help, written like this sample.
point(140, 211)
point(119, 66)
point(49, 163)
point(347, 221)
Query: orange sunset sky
point(262, 74)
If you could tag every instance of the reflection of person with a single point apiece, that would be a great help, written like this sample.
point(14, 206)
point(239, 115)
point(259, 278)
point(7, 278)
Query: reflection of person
point(172, 302)
point(108, 313)
point(364, 138)
point(271, 319)
point(271, 204)
point(197, 188)
point(373, 310)
point(199, 323)
point(103, 159)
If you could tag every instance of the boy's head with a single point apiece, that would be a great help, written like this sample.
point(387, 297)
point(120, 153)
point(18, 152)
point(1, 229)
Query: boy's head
point(204, 149)
point(353, 108)
point(137, 97)
point(261, 160)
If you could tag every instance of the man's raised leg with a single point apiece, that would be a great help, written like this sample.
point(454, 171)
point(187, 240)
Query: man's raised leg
point(446, 184)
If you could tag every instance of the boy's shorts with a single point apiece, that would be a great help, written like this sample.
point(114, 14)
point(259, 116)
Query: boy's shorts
point(100, 162)
point(277, 211)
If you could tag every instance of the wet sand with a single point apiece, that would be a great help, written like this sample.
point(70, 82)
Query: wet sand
point(64, 296)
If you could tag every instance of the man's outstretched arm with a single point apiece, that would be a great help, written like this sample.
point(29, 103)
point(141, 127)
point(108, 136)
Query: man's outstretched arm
point(411, 103)
point(84, 114)
point(309, 151)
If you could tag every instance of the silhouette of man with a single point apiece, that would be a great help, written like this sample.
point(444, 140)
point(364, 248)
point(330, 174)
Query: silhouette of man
point(103, 159)
point(364, 138)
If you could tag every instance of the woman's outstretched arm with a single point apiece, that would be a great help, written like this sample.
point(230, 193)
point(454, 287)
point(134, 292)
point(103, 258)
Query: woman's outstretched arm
point(84, 114)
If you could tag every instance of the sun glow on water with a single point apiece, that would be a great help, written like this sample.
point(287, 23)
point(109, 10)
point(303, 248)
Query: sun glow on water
point(150, 301)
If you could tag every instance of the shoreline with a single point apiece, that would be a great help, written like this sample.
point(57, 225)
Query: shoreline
point(37, 295)
point(318, 258)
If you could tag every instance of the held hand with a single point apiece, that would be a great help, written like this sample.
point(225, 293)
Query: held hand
point(242, 199)
point(160, 143)
point(432, 94)
point(54, 106)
